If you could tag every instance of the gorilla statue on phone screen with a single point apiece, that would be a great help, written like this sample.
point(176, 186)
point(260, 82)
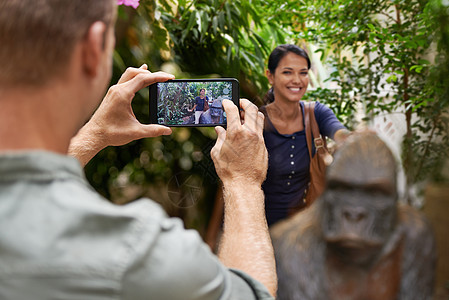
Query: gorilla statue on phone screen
point(356, 241)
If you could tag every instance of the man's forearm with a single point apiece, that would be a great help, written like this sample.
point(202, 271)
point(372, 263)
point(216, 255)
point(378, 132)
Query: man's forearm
point(85, 145)
point(246, 244)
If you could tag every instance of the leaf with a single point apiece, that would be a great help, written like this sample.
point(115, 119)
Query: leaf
point(198, 20)
point(392, 78)
point(215, 24)
point(189, 27)
point(417, 68)
point(118, 60)
point(248, 60)
point(423, 62)
point(411, 44)
point(228, 14)
point(221, 20)
point(371, 27)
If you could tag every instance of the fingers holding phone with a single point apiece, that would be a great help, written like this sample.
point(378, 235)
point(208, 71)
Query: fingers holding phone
point(251, 117)
point(240, 155)
point(191, 102)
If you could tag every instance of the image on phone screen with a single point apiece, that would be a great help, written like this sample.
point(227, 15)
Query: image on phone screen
point(191, 102)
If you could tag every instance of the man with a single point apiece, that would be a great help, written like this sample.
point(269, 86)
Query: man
point(59, 238)
point(200, 103)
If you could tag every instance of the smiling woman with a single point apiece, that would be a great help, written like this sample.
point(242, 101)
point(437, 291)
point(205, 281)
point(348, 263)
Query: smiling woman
point(288, 167)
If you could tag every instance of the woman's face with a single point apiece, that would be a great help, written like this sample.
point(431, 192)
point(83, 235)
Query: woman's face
point(290, 79)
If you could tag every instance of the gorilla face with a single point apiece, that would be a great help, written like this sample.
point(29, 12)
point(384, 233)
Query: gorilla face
point(359, 206)
point(357, 221)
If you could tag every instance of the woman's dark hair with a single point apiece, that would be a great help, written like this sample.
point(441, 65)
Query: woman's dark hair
point(275, 57)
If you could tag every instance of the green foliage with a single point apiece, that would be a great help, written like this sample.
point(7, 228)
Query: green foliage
point(207, 37)
point(378, 55)
point(379, 52)
point(212, 38)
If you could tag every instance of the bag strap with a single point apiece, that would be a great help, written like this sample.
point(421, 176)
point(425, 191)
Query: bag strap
point(307, 125)
point(312, 129)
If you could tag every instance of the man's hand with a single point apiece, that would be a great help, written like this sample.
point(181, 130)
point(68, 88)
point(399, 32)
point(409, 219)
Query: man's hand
point(241, 161)
point(114, 122)
point(239, 154)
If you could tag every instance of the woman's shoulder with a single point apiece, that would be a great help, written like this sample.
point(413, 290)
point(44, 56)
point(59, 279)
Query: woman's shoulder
point(318, 108)
point(321, 109)
point(318, 104)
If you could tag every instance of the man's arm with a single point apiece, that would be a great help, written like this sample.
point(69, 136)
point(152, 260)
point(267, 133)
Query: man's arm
point(114, 123)
point(241, 161)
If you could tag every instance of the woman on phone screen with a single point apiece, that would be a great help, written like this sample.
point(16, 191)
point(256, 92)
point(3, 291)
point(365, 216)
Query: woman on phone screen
point(285, 139)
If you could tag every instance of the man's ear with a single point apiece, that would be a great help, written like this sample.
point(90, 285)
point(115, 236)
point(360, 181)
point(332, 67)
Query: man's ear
point(93, 48)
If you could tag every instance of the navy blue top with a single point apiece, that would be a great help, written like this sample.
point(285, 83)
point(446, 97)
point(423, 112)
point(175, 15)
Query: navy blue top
point(288, 163)
point(200, 103)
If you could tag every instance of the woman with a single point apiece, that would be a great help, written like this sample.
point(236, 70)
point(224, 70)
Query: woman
point(201, 105)
point(285, 139)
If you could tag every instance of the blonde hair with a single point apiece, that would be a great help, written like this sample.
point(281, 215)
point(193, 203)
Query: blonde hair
point(37, 37)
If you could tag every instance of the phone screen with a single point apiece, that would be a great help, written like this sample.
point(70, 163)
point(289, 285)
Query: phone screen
point(193, 102)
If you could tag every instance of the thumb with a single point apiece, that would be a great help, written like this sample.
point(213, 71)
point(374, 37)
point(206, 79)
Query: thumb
point(154, 130)
point(221, 136)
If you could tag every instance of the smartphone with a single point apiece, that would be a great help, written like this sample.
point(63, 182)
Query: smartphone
point(192, 102)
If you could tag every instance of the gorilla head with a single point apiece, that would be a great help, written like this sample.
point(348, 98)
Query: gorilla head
point(360, 201)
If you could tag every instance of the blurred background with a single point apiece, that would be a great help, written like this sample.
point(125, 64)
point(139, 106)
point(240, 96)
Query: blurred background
point(377, 63)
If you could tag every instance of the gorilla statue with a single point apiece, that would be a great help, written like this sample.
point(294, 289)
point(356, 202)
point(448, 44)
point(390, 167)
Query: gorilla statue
point(356, 241)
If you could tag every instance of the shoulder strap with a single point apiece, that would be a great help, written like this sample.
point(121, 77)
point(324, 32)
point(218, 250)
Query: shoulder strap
point(315, 129)
point(307, 126)
point(311, 127)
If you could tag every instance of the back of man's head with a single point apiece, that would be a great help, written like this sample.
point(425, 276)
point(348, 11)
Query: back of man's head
point(37, 37)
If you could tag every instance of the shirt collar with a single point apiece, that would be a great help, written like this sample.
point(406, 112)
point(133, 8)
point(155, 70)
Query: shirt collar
point(38, 165)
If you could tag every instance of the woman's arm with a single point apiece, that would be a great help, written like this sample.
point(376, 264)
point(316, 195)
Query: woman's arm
point(341, 135)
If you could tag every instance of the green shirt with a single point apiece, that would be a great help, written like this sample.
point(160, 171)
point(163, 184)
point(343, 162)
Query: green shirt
point(59, 239)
